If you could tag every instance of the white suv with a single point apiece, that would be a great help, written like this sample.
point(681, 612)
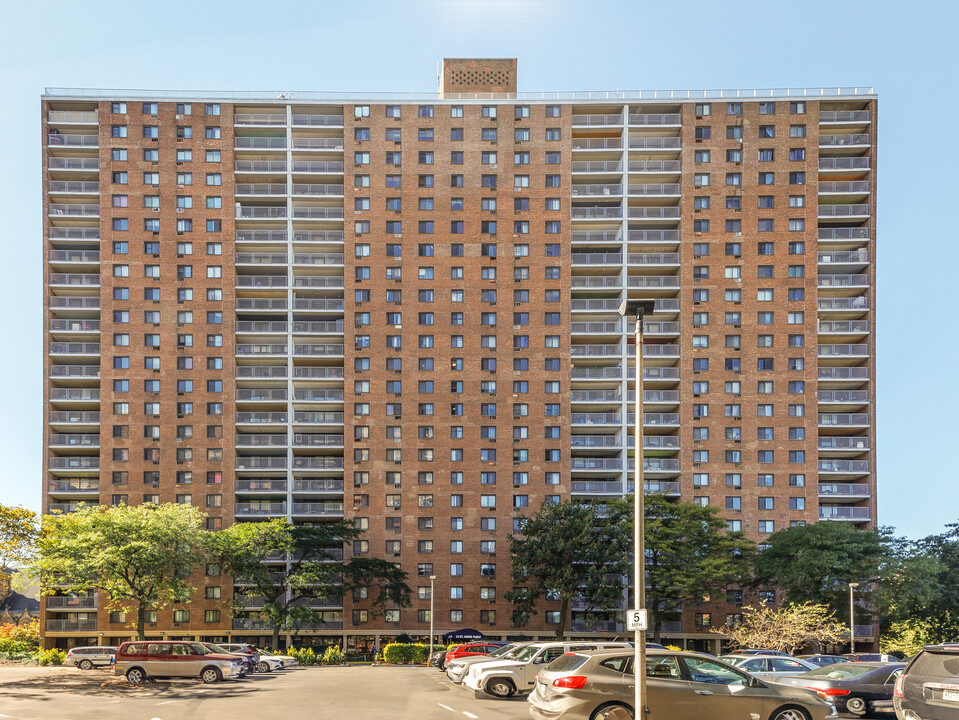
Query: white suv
point(86, 658)
point(507, 677)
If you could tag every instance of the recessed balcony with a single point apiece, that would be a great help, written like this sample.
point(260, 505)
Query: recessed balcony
point(841, 491)
point(75, 348)
point(646, 119)
point(652, 259)
point(317, 212)
point(86, 210)
point(846, 513)
point(594, 464)
point(318, 509)
point(317, 462)
point(857, 210)
point(261, 485)
point(318, 143)
point(655, 167)
point(599, 237)
point(261, 236)
point(844, 420)
point(597, 144)
point(319, 349)
point(259, 143)
point(596, 189)
point(318, 418)
point(72, 117)
point(652, 213)
point(844, 116)
point(317, 189)
point(828, 164)
point(844, 140)
point(86, 164)
point(318, 372)
point(265, 167)
point(612, 167)
point(584, 212)
point(844, 467)
point(266, 327)
point(655, 143)
point(64, 603)
point(75, 372)
point(593, 442)
point(317, 485)
point(77, 257)
point(79, 395)
point(73, 140)
point(262, 281)
point(597, 120)
point(318, 395)
point(259, 509)
point(261, 418)
point(71, 625)
point(75, 233)
point(654, 237)
point(74, 463)
point(855, 305)
point(314, 259)
point(596, 328)
point(261, 395)
point(854, 376)
point(259, 440)
point(596, 282)
point(597, 397)
point(596, 419)
point(655, 189)
point(74, 326)
point(259, 118)
point(843, 444)
point(267, 462)
point(596, 258)
point(854, 187)
point(316, 120)
point(261, 349)
point(260, 212)
point(74, 440)
point(73, 187)
point(318, 440)
point(261, 188)
point(850, 353)
point(322, 167)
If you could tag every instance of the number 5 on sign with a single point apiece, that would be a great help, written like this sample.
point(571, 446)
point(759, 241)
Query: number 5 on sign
point(636, 620)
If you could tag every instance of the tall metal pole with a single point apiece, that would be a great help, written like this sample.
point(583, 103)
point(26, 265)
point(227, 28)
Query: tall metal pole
point(852, 618)
point(430, 656)
point(639, 528)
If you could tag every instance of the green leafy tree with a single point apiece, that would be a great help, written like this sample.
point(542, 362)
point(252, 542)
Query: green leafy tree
point(316, 569)
point(138, 556)
point(786, 628)
point(570, 551)
point(815, 562)
point(689, 555)
point(18, 535)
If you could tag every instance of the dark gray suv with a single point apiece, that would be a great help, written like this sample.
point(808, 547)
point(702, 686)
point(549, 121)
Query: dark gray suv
point(928, 688)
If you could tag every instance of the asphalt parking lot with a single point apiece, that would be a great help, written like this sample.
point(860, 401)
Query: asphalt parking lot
point(362, 692)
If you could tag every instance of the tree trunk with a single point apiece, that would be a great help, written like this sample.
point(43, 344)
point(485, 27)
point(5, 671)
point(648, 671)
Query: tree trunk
point(657, 629)
point(563, 619)
point(141, 621)
point(276, 637)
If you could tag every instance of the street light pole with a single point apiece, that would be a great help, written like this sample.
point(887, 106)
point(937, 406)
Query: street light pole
point(430, 656)
point(638, 309)
point(852, 618)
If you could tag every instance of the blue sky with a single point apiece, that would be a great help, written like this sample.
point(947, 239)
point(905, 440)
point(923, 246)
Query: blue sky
point(908, 53)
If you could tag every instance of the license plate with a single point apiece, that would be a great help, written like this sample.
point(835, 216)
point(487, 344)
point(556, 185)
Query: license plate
point(950, 695)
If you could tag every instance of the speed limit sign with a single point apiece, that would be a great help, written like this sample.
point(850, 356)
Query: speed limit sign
point(636, 620)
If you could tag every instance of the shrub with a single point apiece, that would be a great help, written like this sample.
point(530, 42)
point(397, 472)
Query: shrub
point(333, 655)
point(304, 656)
point(405, 653)
point(28, 633)
point(52, 656)
point(9, 645)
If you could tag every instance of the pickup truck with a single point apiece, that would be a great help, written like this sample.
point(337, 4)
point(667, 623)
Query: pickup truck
point(506, 678)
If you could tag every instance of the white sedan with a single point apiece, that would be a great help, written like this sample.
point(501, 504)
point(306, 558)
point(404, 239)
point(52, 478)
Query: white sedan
point(269, 662)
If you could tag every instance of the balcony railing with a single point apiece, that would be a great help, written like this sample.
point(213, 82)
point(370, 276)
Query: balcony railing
point(75, 209)
point(260, 463)
point(596, 327)
point(596, 396)
point(318, 304)
point(83, 279)
point(73, 140)
point(596, 258)
point(261, 440)
point(851, 233)
point(260, 143)
point(318, 463)
point(653, 281)
point(595, 441)
point(317, 120)
point(78, 486)
point(843, 396)
point(259, 119)
point(844, 489)
point(75, 256)
point(844, 419)
point(321, 485)
point(74, 186)
point(655, 119)
point(318, 373)
point(64, 163)
point(843, 210)
point(75, 371)
point(653, 236)
point(245, 258)
point(317, 440)
point(655, 189)
point(842, 257)
point(652, 213)
point(597, 144)
point(581, 463)
point(596, 419)
point(317, 394)
point(260, 166)
point(854, 350)
point(259, 236)
point(80, 394)
point(843, 280)
point(245, 212)
point(597, 166)
point(653, 259)
point(80, 462)
point(74, 440)
point(655, 143)
point(261, 189)
point(261, 326)
point(264, 281)
point(844, 116)
point(847, 467)
point(595, 350)
point(73, 348)
point(597, 120)
point(580, 212)
point(261, 372)
point(854, 163)
point(654, 166)
point(71, 625)
point(843, 442)
point(324, 349)
point(596, 189)
point(67, 117)
point(329, 236)
point(259, 508)
point(598, 281)
point(318, 258)
point(308, 143)
point(318, 418)
point(318, 166)
point(596, 236)
point(270, 418)
point(69, 325)
point(839, 140)
point(844, 326)
point(326, 509)
point(74, 233)
point(260, 349)
point(308, 212)
point(317, 189)
point(72, 602)
point(845, 186)
point(843, 512)
point(847, 303)
point(265, 485)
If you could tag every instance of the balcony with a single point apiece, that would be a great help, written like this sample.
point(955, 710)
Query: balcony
point(74, 417)
point(317, 143)
point(74, 326)
point(319, 304)
point(74, 210)
point(74, 348)
point(671, 167)
point(70, 163)
point(260, 212)
point(317, 418)
point(74, 233)
point(318, 258)
point(596, 328)
point(259, 118)
point(75, 372)
point(317, 189)
point(858, 187)
point(649, 259)
point(844, 327)
point(261, 372)
point(315, 212)
point(839, 211)
point(838, 116)
point(655, 143)
point(597, 166)
point(606, 464)
point(844, 257)
point(581, 282)
point(844, 490)
point(318, 281)
point(317, 485)
point(260, 143)
point(597, 120)
point(317, 463)
point(596, 189)
point(74, 440)
point(273, 327)
point(260, 166)
point(596, 396)
point(254, 349)
point(595, 441)
point(652, 213)
point(259, 509)
point(74, 394)
point(261, 485)
point(843, 234)
point(74, 280)
point(317, 120)
point(844, 444)
point(655, 119)
point(843, 163)
point(315, 440)
point(74, 486)
point(596, 419)
point(604, 237)
point(74, 187)
point(262, 281)
point(72, 117)
point(318, 509)
point(844, 351)
point(264, 418)
point(844, 467)
point(658, 419)
point(86, 257)
point(596, 351)
point(654, 237)
point(261, 236)
point(318, 166)
point(261, 189)
point(844, 512)
point(581, 212)
point(261, 440)
point(74, 463)
point(844, 397)
point(856, 139)
point(72, 602)
point(840, 420)
point(858, 303)
point(68, 507)
point(320, 349)
point(260, 463)
point(843, 281)
point(654, 189)
point(596, 258)
point(653, 282)
point(71, 140)
point(597, 144)
point(669, 466)
point(322, 372)
point(71, 625)
point(74, 302)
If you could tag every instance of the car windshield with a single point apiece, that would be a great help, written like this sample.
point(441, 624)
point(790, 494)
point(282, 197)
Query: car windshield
point(503, 651)
point(711, 671)
point(217, 648)
point(202, 649)
point(527, 653)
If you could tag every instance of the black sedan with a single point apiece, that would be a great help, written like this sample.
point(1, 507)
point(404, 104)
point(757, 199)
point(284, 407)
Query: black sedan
point(857, 688)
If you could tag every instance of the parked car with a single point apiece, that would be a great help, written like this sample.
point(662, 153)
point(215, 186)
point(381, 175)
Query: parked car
point(243, 649)
point(505, 678)
point(680, 685)
point(456, 669)
point(871, 657)
point(469, 650)
point(769, 666)
point(88, 657)
point(285, 661)
point(149, 659)
point(928, 687)
point(823, 660)
point(857, 688)
point(437, 658)
point(753, 651)
point(246, 662)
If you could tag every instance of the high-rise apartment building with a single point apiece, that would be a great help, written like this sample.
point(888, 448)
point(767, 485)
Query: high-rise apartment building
point(402, 309)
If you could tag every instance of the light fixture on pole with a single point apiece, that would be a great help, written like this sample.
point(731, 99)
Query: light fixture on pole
point(852, 618)
point(429, 657)
point(636, 618)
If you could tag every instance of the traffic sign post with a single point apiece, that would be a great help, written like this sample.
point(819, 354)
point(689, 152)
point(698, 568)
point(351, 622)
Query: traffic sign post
point(636, 620)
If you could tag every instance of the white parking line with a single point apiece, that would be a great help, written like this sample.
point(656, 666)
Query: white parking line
point(470, 715)
point(167, 702)
point(445, 707)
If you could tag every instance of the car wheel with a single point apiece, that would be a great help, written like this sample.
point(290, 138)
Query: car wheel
point(856, 705)
point(210, 675)
point(788, 713)
point(500, 687)
point(136, 676)
point(263, 667)
point(85, 665)
point(612, 712)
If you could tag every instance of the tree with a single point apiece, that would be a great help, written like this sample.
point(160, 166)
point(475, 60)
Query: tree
point(316, 568)
point(18, 534)
point(787, 628)
point(570, 551)
point(689, 555)
point(138, 556)
point(815, 562)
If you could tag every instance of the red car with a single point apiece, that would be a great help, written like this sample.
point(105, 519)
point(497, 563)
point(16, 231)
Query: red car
point(479, 648)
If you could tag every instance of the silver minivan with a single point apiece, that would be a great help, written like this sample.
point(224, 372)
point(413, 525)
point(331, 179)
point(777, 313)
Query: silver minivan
point(86, 658)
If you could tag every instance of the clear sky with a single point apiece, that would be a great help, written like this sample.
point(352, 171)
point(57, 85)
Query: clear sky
point(907, 51)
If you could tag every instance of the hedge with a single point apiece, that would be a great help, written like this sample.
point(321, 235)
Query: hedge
point(405, 653)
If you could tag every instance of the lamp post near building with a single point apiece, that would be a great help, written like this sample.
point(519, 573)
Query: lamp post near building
point(636, 618)
point(428, 657)
point(852, 618)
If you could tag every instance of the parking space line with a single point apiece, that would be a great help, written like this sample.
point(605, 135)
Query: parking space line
point(447, 707)
point(470, 715)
